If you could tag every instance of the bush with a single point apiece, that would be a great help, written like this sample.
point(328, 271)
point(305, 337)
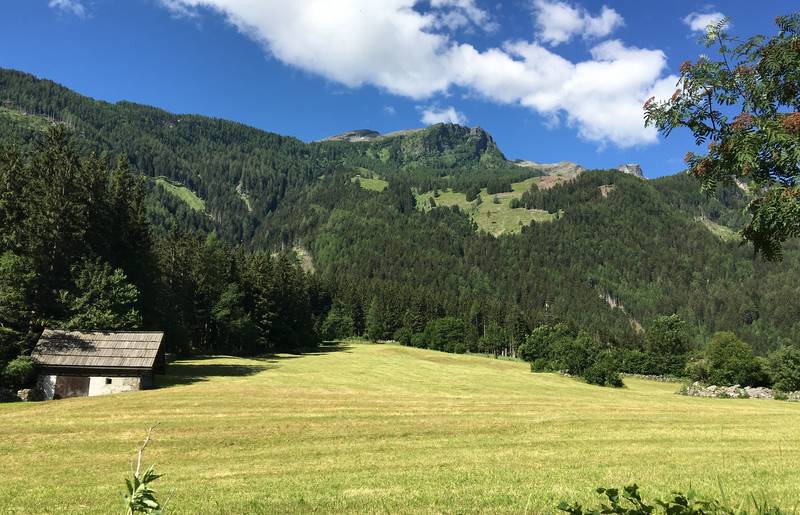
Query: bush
point(19, 372)
point(648, 363)
point(604, 372)
point(731, 361)
point(697, 370)
point(404, 335)
point(630, 502)
point(784, 367)
point(574, 355)
point(539, 343)
point(540, 365)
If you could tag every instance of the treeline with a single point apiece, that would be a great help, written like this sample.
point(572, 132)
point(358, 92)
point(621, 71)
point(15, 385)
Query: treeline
point(609, 266)
point(77, 252)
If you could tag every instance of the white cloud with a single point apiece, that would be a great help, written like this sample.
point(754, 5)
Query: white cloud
point(391, 45)
point(434, 114)
point(699, 22)
point(557, 22)
point(71, 6)
point(389, 110)
point(455, 14)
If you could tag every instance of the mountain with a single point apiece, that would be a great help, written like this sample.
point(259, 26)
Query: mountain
point(631, 169)
point(423, 223)
point(355, 136)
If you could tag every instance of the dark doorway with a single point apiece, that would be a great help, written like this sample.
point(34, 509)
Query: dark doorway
point(71, 386)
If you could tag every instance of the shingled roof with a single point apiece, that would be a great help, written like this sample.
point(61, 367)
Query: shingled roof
point(100, 350)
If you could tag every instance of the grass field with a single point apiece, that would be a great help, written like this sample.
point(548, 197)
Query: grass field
point(496, 219)
point(183, 193)
point(384, 428)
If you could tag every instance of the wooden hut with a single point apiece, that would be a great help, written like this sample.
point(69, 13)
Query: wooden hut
point(80, 364)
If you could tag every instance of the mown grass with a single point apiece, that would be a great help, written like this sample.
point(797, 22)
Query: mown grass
point(494, 218)
point(183, 193)
point(384, 428)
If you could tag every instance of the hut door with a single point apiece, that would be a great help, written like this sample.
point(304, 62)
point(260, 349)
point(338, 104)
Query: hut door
point(71, 386)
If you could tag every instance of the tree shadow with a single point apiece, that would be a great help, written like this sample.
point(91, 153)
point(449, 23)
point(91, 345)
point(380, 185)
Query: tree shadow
point(196, 369)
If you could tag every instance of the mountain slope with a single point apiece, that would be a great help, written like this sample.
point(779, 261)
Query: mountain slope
point(578, 242)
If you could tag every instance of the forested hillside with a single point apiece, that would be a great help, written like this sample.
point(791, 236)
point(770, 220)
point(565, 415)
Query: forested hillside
point(606, 252)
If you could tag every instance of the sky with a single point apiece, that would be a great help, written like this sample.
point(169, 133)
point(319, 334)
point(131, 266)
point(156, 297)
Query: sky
point(550, 80)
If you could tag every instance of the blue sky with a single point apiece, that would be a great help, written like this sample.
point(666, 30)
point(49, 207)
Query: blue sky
point(550, 80)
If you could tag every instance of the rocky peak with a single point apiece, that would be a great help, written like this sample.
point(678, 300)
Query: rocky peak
point(631, 169)
point(355, 136)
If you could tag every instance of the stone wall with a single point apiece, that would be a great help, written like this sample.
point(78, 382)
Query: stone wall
point(107, 385)
point(698, 389)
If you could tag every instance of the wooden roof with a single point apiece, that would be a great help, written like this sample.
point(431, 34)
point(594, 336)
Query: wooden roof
point(75, 349)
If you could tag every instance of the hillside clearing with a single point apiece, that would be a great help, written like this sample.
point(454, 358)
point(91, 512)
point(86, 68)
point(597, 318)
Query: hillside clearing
point(494, 218)
point(370, 182)
point(183, 193)
point(368, 428)
point(722, 232)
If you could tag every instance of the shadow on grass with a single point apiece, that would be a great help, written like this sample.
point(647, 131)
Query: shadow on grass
point(201, 368)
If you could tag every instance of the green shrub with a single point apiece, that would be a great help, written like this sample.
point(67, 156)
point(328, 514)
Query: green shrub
point(731, 361)
point(19, 372)
point(784, 366)
point(540, 365)
point(697, 370)
point(604, 372)
point(648, 363)
point(404, 335)
point(574, 355)
point(540, 342)
point(630, 502)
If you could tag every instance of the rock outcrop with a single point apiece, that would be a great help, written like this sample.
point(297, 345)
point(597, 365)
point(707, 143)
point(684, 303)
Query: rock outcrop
point(631, 169)
point(355, 136)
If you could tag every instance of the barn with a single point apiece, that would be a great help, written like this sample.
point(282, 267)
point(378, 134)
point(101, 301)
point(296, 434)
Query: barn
point(80, 364)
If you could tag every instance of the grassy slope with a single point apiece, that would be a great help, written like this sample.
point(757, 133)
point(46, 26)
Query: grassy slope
point(388, 428)
point(371, 183)
point(496, 219)
point(183, 193)
point(13, 116)
point(720, 231)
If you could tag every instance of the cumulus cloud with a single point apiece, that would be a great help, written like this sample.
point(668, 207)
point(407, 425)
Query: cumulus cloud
point(70, 6)
point(456, 14)
point(557, 22)
point(699, 22)
point(434, 114)
point(393, 46)
point(389, 110)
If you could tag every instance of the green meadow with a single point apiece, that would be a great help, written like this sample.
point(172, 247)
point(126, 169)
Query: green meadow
point(185, 194)
point(385, 428)
point(496, 218)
